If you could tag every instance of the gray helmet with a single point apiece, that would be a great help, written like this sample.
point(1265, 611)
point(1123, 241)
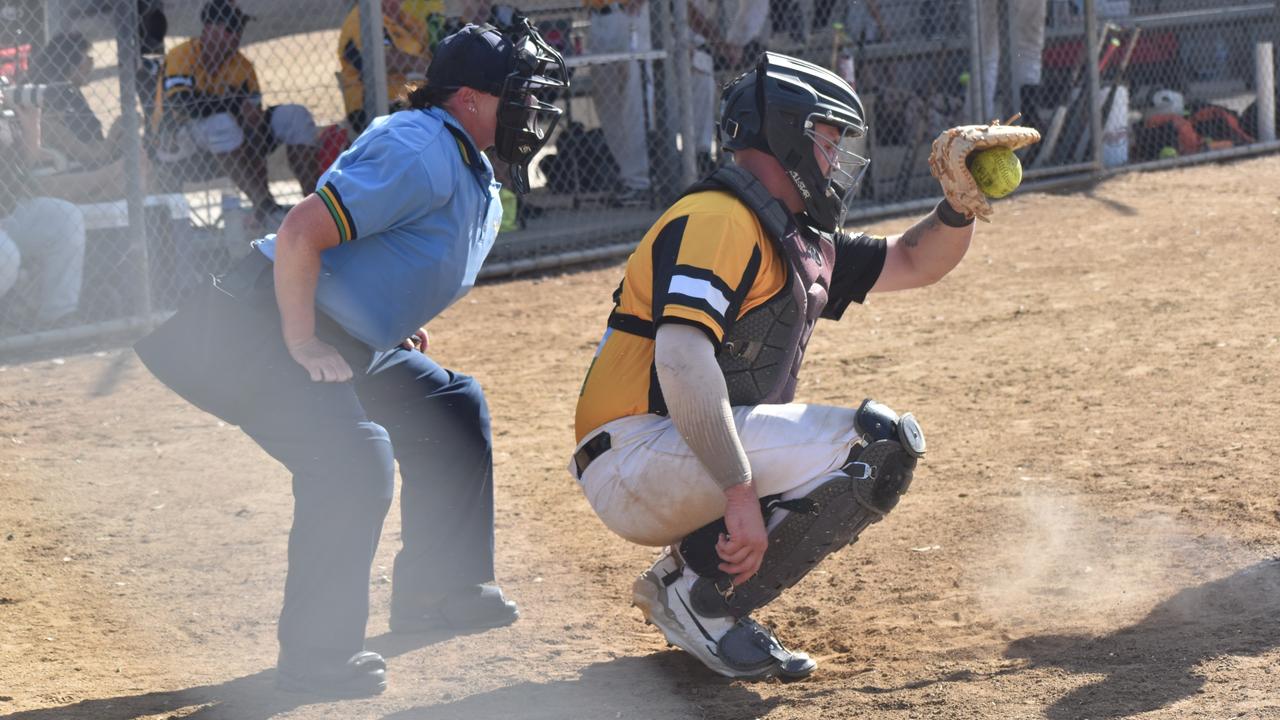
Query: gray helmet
point(777, 108)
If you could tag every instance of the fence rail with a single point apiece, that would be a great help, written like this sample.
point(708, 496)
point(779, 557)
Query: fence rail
point(133, 192)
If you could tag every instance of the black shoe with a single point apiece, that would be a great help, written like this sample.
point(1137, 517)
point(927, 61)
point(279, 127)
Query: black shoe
point(364, 675)
point(477, 608)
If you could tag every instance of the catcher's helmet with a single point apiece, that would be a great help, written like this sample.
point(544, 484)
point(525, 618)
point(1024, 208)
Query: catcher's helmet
point(776, 108)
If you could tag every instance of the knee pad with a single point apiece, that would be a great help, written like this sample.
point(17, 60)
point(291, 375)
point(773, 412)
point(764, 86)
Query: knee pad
point(819, 523)
point(293, 125)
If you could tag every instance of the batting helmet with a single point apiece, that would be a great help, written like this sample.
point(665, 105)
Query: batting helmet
point(776, 108)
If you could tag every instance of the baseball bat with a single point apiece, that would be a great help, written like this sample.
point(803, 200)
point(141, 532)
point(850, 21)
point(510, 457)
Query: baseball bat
point(1109, 102)
point(1078, 123)
point(1045, 149)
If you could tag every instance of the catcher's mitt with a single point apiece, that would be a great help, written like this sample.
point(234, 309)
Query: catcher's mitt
point(952, 148)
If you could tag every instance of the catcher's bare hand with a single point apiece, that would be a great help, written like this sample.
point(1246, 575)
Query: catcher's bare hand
point(743, 547)
point(952, 148)
point(321, 361)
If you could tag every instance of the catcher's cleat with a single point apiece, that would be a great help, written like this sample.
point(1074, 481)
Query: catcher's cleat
point(477, 608)
point(736, 648)
point(364, 675)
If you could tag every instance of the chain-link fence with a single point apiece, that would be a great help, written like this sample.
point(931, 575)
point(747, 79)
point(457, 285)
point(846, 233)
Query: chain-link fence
point(145, 143)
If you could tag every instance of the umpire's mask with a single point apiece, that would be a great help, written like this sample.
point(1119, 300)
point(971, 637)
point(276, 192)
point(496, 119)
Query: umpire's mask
point(522, 70)
point(526, 115)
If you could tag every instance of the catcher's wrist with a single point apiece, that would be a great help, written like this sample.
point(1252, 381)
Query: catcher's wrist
point(950, 216)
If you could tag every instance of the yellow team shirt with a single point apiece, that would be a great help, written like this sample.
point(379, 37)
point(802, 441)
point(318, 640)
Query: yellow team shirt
point(407, 33)
point(705, 262)
point(186, 79)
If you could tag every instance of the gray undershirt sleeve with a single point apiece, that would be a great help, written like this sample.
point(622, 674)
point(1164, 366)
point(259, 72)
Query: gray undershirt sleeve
point(698, 402)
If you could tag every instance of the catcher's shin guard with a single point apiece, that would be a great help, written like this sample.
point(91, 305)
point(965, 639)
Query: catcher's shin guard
point(819, 523)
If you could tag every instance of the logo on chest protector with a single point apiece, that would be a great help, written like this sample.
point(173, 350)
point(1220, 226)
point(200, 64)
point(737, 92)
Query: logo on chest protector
point(811, 250)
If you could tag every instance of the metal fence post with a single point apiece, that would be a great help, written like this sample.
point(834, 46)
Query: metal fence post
point(681, 56)
point(129, 58)
point(373, 68)
point(666, 96)
point(1093, 39)
point(1265, 83)
point(976, 91)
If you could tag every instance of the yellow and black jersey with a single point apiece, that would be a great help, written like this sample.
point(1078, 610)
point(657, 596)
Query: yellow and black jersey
point(706, 262)
point(189, 89)
point(405, 32)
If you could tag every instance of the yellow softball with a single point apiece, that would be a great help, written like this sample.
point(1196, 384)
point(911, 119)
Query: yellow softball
point(997, 171)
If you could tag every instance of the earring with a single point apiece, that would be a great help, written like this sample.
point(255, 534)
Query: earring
point(473, 108)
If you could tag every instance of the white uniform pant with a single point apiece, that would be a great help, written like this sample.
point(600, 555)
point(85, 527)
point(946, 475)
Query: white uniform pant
point(651, 489)
point(47, 235)
point(1026, 48)
point(618, 90)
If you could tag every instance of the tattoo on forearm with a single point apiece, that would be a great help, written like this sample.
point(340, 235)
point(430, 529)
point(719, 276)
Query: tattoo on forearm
point(911, 237)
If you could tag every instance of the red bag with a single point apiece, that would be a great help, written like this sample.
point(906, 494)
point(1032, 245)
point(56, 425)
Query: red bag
point(331, 141)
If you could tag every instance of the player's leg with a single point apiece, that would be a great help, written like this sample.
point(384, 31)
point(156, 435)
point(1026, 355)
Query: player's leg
point(618, 94)
point(650, 488)
point(293, 126)
point(1026, 45)
point(51, 232)
point(439, 424)
point(806, 523)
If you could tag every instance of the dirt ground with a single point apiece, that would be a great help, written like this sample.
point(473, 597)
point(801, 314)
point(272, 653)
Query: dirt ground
point(1092, 535)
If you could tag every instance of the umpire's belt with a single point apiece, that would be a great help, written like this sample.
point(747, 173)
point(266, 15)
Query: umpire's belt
point(590, 450)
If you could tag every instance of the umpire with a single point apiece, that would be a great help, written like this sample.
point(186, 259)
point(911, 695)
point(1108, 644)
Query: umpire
point(303, 345)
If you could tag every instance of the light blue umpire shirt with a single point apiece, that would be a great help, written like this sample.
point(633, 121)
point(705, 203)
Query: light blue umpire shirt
point(417, 211)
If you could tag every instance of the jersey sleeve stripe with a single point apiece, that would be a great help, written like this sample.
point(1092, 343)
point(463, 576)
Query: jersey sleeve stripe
point(341, 216)
point(666, 248)
point(700, 290)
point(702, 273)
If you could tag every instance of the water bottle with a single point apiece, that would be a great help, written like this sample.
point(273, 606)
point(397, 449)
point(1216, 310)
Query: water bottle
point(844, 68)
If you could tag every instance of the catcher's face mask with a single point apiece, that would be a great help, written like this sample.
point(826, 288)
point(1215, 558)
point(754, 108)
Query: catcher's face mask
point(526, 115)
point(834, 150)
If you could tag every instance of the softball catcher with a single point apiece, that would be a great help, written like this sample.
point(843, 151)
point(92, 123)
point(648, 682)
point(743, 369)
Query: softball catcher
point(688, 436)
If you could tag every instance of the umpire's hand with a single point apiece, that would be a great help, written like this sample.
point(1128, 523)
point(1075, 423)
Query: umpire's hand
point(418, 341)
point(321, 360)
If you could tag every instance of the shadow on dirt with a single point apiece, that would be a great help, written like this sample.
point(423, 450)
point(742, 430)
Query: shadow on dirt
point(621, 688)
point(1152, 664)
point(252, 697)
point(1114, 205)
point(665, 686)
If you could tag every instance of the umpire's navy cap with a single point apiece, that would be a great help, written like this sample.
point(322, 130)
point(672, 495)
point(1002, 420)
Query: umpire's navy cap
point(477, 56)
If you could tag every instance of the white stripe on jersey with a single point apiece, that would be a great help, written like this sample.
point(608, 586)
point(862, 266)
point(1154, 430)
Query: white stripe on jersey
point(701, 289)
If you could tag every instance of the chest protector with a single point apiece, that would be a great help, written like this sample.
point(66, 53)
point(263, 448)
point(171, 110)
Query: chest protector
point(762, 351)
